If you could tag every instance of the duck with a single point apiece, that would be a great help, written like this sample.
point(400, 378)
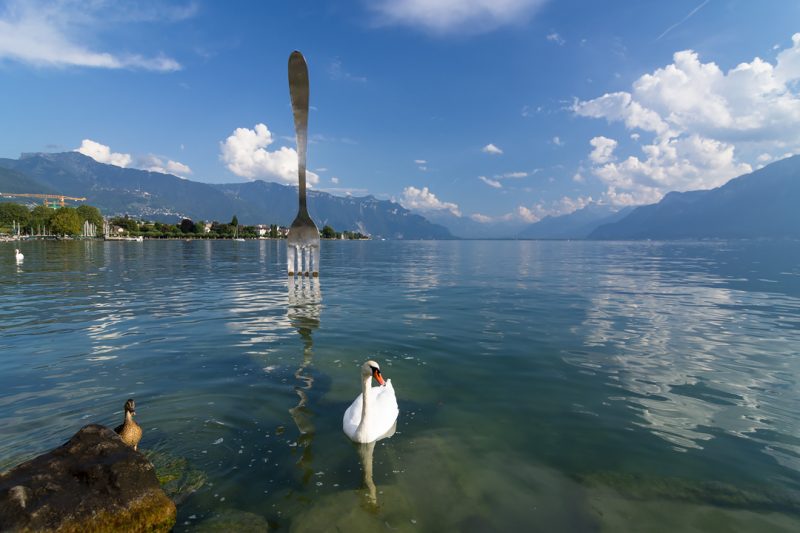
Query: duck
point(18, 255)
point(130, 432)
point(373, 413)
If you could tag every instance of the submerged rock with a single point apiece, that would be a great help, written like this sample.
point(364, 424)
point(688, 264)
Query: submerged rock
point(94, 482)
point(175, 475)
point(233, 520)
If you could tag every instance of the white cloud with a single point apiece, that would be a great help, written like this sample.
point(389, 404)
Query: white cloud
point(702, 118)
point(603, 150)
point(513, 175)
point(335, 180)
point(557, 141)
point(103, 154)
point(563, 206)
point(483, 219)
point(450, 16)
point(681, 164)
point(490, 182)
point(425, 200)
point(154, 163)
point(491, 149)
point(556, 38)
point(49, 34)
point(578, 178)
point(245, 154)
point(420, 161)
point(337, 72)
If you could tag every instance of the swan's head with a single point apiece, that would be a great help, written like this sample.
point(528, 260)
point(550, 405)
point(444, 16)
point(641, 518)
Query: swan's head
point(130, 407)
point(371, 368)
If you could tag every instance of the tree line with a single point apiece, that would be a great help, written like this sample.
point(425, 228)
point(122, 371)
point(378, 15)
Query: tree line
point(43, 220)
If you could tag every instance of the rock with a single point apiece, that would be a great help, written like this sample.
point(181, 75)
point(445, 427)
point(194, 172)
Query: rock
point(233, 520)
point(94, 482)
point(175, 475)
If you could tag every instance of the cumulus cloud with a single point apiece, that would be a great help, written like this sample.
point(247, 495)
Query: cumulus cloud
point(451, 16)
point(335, 180)
point(103, 154)
point(50, 34)
point(680, 164)
point(603, 150)
point(154, 163)
point(491, 149)
point(563, 206)
point(702, 119)
point(483, 219)
point(490, 182)
point(424, 200)
point(245, 154)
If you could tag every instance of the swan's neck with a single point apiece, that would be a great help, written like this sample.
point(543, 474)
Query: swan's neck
point(365, 386)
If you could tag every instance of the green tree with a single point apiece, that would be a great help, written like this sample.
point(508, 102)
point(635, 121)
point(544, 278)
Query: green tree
point(11, 212)
point(126, 223)
point(273, 231)
point(187, 226)
point(40, 218)
point(92, 214)
point(234, 221)
point(66, 221)
point(328, 232)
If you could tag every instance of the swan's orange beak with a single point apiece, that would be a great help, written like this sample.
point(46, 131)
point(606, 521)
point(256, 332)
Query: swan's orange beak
point(377, 375)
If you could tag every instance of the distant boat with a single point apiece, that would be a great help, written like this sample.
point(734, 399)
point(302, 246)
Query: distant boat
point(133, 239)
point(235, 235)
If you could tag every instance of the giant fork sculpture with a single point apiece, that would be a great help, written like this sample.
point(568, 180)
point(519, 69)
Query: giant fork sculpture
point(302, 243)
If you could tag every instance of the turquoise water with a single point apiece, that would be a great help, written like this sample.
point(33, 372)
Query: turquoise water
point(543, 386)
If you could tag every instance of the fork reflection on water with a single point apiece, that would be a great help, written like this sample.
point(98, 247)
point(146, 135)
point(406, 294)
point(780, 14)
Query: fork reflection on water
point(617, 386)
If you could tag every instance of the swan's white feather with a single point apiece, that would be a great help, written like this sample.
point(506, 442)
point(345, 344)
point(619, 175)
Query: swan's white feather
point(382, 413)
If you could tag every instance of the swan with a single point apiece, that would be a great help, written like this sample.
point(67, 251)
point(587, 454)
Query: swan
point(378, 405)
point(18, 255)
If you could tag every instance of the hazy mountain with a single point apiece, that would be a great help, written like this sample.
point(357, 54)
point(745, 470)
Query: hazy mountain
point(466, 228)
point(164, 197)
point(13, 181)
point(763, 203)
point(576, 225)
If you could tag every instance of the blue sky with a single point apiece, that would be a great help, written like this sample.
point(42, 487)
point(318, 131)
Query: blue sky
point(493, 110)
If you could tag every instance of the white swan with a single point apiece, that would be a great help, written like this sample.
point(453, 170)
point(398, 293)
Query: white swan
point(18, 255)
point(373, 413)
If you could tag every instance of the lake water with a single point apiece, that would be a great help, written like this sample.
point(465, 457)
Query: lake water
point(543, 386)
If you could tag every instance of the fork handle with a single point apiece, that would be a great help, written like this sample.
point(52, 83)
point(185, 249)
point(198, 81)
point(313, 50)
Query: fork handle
point(298, 91)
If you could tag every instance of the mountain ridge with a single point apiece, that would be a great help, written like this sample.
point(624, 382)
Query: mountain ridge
point(165, 197)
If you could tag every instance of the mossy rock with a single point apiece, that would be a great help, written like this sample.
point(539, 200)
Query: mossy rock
point(642, 487)
point(175, 475)
point(233, 520)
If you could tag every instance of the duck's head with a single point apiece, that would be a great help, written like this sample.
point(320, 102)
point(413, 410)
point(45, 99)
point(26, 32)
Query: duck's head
point(130, 406)
point(371, 368)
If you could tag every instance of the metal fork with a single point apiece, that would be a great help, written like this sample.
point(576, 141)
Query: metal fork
point(302, 243)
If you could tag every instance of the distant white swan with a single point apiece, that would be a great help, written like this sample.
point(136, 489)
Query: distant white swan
point(18, 255)
point(373, 413)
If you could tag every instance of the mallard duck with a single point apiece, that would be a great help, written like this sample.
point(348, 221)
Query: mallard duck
point(130, 432)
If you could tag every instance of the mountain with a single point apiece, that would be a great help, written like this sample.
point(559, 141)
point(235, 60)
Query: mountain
point(13, 181)
point(763, 203)
point(576, 225)
point(466, 228)
point(164, 197)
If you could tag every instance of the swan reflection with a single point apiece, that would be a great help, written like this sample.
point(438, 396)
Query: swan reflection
point(303, 312)
point(365, 454)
